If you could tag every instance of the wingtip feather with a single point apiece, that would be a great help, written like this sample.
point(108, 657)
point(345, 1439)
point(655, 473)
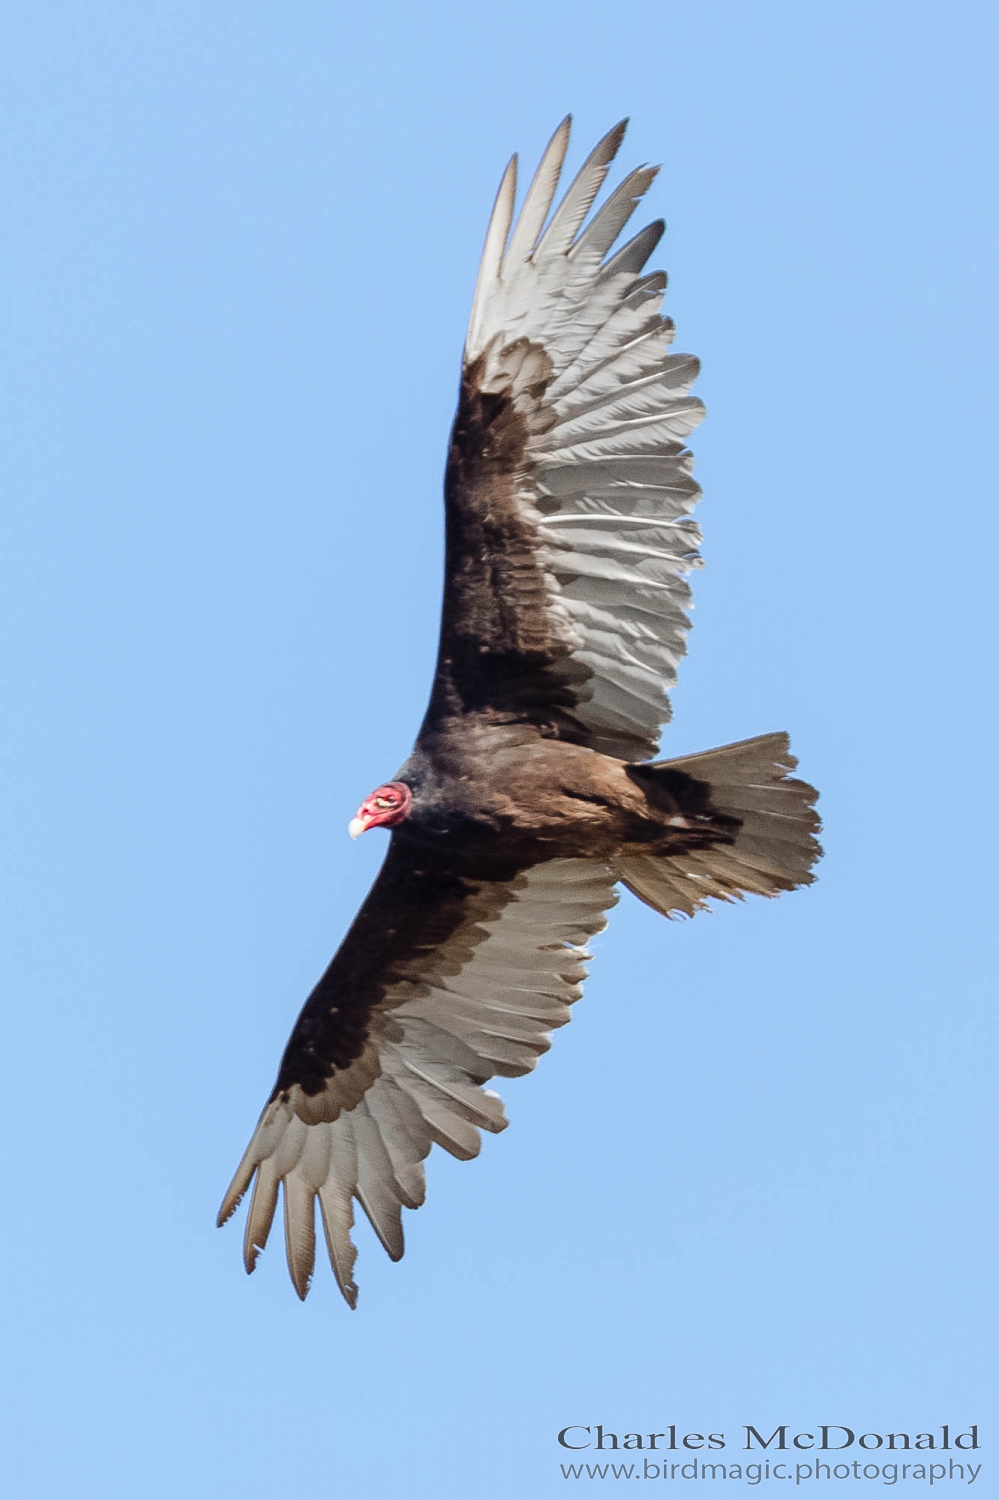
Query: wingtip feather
point(230, 1203)
point(540, 196)
point(492, 251)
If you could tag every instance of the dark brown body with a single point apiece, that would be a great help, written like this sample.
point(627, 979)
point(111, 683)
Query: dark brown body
point(508, 787)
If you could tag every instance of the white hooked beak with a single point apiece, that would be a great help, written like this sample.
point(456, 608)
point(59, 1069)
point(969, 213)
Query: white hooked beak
point(356, 827)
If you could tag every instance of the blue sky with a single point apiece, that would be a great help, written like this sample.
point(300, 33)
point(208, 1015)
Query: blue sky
point(752, 1182)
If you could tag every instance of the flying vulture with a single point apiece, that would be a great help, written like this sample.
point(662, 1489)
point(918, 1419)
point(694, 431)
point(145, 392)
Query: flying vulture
point(532, 792)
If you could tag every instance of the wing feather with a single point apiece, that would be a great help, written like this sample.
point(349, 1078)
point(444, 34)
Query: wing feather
point(263, 1204)
point(377, 1188)
point(300, 1228)
point(631, 258)
point(532, 216)
point(336, 1202)
point(496, 236)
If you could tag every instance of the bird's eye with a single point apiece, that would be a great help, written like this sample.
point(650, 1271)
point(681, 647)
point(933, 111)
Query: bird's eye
point(385, 802)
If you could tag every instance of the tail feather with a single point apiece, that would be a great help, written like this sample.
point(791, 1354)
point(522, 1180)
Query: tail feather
point(769, 822)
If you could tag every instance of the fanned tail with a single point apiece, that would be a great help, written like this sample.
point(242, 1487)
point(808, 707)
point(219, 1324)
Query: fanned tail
point(766, 821)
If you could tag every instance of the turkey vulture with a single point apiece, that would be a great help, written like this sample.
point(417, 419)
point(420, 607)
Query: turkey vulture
point(531, 792)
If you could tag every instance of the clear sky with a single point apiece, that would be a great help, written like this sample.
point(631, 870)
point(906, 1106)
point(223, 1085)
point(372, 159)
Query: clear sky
point(752, 1181)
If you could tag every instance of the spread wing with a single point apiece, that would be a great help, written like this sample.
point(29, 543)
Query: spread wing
point(443, 981)
point(569, 487)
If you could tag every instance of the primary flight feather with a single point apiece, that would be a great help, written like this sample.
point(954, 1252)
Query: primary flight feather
point(530, 794)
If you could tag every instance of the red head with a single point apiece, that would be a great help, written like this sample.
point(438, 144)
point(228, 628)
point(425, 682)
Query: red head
point(386, 807)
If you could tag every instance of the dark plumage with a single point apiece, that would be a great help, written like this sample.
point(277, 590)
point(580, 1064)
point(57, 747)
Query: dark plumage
point(529, 795)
